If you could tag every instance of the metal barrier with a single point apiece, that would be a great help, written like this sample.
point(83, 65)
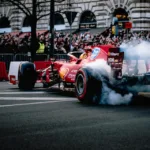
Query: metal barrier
point(61, 57)
point(66, 57)
point(25, 57)
point(41, 57)
point(22, 57)
point(7, 58)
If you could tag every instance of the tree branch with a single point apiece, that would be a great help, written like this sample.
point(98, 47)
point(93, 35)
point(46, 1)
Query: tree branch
point(39, 11)
point(41, 16)
point(48, 1)
point(43, 2)
point(20, 6)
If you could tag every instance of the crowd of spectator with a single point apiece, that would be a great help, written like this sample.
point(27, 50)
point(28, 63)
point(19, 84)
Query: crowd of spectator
point(65, 42)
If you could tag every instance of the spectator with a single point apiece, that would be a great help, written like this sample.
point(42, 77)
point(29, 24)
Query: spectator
point(41, 45)
point(75, 48)
point(64, 42)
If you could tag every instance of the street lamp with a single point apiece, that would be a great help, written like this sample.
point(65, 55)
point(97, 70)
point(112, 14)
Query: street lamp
point(52, 13)
point(69, 4)
point(52, 9)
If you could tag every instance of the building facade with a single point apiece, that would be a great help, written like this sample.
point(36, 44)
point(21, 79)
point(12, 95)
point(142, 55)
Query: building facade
point(75, 14)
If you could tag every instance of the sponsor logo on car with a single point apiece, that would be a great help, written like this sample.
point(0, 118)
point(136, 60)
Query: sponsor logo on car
point(95, 53)
point(63, 72)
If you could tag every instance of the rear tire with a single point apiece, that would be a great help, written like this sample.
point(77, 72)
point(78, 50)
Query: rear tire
point(87, 88)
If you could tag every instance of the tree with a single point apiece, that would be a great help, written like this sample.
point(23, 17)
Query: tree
point(34, 13)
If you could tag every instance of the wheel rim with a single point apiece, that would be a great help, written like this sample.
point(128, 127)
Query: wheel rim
point(80, 84)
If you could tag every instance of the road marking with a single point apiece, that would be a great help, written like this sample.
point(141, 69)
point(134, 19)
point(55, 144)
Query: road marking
point(35, 92)
point(38, 98)
point(26, 104)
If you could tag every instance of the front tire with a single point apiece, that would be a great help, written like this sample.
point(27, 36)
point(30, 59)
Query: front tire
point(26, 76)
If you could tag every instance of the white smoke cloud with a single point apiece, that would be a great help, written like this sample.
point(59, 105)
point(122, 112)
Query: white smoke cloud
point(109, 96)
point(99, 66)
point(141, 49)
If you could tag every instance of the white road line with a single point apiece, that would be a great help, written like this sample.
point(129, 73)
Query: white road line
point(38, 98)
point(25, 104)
point(32, 92)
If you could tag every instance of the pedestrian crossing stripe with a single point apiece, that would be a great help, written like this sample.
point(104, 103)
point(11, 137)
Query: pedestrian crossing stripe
point(25, 92)
point(38, 98)
point(26, 104)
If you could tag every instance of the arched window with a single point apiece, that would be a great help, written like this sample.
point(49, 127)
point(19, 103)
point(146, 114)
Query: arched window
point(88, 17)
point(59, 19)
point(26, 22)
point(4, 22)
point(87, 20)
point(121, 14)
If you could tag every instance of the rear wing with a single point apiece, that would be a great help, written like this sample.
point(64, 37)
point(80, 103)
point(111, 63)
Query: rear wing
point(122, 65)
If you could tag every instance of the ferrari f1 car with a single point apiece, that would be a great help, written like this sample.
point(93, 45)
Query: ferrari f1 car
point(103, 66)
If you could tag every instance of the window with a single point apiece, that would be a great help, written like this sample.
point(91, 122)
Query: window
point(4, 22)
point(26, 22)
point(88, 17)
point(59, 19)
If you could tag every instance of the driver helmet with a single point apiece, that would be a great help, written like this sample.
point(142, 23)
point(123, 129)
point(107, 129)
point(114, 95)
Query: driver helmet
point(88, 48)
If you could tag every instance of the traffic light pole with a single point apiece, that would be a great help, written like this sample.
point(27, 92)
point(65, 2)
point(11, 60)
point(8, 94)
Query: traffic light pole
point(52, 10)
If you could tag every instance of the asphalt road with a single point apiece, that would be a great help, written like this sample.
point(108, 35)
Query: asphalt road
point(49, 120)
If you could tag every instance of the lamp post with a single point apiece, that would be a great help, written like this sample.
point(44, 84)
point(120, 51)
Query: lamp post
point(70, 24)
point(52, 9)
point(71, 29)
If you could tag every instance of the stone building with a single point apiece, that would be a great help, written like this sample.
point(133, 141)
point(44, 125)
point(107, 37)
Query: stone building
point(75, 14)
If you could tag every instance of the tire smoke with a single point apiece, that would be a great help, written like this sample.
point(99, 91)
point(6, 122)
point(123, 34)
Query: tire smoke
point(136, 49)
point(111, 97)
point(100, 70)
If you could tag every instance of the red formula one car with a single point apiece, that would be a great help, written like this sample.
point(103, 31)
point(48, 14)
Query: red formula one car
point(87, 74)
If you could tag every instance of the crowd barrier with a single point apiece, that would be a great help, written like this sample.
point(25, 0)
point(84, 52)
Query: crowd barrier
point(41, 57)
point(61, 57)
point(22, 57)
point(7, 58)
point(3, 72)
point(26, 57)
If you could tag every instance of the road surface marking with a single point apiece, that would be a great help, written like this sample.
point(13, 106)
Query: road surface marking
point(32, 92)
point(38, 98)
point(26, 104)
